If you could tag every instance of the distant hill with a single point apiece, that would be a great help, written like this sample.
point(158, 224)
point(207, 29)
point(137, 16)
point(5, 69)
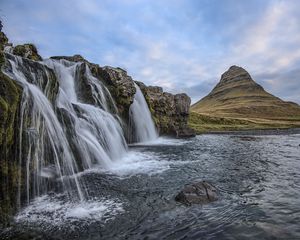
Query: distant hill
point(238, 96)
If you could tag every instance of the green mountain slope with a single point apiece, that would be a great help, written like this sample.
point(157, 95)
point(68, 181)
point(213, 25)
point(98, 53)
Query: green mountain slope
point(238, 96)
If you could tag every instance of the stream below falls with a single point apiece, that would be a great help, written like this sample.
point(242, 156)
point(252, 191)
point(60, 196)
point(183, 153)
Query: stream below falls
point(258, 178)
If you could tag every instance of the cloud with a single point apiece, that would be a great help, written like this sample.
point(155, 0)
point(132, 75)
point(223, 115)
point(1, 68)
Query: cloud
point(180, 45)
point(284, 83)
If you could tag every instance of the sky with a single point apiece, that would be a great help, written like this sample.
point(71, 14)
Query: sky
point(181, 45)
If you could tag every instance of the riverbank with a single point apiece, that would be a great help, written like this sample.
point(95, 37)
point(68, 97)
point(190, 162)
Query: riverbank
point(211, 124)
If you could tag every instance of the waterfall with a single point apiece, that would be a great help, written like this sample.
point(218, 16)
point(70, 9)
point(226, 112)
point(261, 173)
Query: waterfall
point(96, 133)
point(60, 139)
point(141, 124)
point(63, 131)
point(45, 139)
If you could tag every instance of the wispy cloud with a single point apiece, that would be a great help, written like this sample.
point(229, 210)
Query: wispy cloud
point(182, 45)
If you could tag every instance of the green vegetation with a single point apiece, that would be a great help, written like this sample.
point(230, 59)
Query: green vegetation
point(10, 94)
point(238, 103)
point(203, 123)
point(28, 51)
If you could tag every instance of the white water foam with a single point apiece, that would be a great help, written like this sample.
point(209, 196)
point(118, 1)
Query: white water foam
point(135, 162)
point(47, 210)
point(162, 141)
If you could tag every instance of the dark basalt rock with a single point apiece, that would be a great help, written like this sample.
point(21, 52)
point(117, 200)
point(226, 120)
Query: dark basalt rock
point(200, 192)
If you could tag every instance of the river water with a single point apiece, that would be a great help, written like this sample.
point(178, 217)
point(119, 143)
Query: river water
point(257, 176)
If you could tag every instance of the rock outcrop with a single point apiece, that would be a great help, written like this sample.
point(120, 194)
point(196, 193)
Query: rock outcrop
point(170, 112)
point(199, 192)
point(238, 95)
point(27, 51)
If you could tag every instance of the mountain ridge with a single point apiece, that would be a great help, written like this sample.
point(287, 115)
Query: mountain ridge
point(237, 103)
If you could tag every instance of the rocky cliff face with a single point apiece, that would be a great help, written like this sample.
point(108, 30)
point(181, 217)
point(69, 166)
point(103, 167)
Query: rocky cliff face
point(170, 112)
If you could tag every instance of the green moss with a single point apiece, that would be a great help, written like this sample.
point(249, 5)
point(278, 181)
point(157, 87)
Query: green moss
point(27, 50)
point(205, 123)
point(19, 50)
point(3, 40)
point(15, 172)
point(10, 94)
point(2, 59)
point(4, 168)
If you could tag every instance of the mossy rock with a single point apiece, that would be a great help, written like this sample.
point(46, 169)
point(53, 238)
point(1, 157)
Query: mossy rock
point(10, 95)
point(27, 51)
point(3, 40)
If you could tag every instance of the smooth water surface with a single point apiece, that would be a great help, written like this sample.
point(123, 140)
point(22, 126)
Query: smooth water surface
point(258, 177)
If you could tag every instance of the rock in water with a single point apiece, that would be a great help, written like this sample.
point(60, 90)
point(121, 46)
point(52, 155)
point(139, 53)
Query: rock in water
point(200, 192)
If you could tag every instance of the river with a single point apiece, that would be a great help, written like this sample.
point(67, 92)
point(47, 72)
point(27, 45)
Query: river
point(257, 176)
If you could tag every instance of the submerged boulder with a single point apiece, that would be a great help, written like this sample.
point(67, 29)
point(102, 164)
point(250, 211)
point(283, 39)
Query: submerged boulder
point(199, 192)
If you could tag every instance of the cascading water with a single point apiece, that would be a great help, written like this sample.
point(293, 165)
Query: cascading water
point(58, 142)
point(63, 131)
point(45, 139)
point(97, 135)
point(141, 124)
